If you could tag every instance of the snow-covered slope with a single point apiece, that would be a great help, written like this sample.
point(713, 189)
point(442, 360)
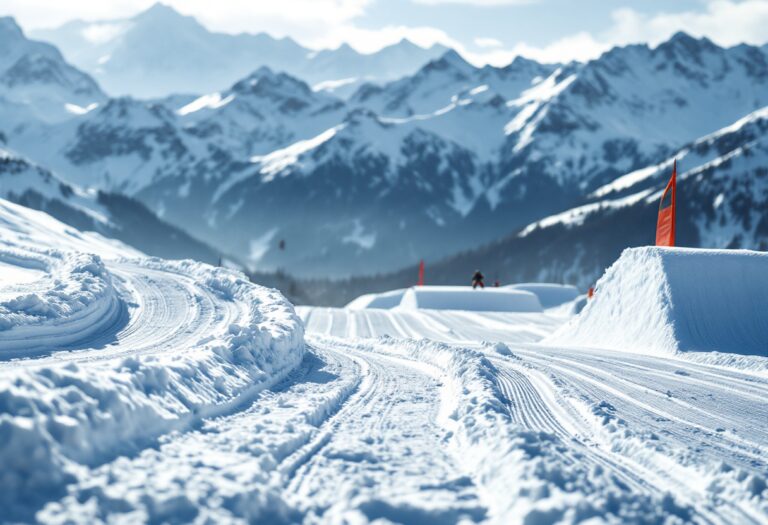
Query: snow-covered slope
point(190, 395)
point(119, 350)
point(546, 433)
point(672, 300)
point(466, 299)
point(448, 81)
point(634, 104)
point(110, 214)
point(160, 52)
point(722, 203)
point(382, 192)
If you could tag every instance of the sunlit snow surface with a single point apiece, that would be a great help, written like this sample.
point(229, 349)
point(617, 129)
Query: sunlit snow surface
point(191, 398)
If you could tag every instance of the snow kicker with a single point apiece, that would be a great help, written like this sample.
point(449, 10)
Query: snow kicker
point(677, 300)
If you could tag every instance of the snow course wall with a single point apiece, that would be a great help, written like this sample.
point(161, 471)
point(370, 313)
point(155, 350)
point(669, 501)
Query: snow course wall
point(465, 298)
point(672, 300)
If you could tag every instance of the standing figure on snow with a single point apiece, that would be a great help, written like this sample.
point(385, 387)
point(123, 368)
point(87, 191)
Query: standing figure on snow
point(477, 280)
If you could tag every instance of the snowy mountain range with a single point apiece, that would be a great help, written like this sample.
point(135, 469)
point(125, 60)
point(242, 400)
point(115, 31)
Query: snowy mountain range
point(449, 158)
point(35, 76)
point(160, 52)
point(722, 198)
point(112, 215)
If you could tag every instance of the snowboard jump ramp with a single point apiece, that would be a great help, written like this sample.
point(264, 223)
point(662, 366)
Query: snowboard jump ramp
point(671, 300)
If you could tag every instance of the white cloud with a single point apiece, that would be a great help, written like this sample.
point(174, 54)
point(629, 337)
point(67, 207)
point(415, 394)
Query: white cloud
point(328, 23)
point(726, 22)
point(488, 42)
point(283, 17)
point(480, 3)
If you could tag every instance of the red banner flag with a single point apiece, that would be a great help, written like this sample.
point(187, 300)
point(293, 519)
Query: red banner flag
point(421, 273)
point(665, 228)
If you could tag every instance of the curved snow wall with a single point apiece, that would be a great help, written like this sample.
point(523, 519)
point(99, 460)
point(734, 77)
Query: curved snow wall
point(669, 300)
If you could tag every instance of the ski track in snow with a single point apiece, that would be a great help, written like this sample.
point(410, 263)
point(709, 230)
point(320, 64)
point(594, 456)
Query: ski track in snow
point(178, 311)
point(419, 417)
point(659, 426)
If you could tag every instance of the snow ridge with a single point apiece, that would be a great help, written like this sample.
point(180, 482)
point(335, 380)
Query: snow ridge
point(153, 346)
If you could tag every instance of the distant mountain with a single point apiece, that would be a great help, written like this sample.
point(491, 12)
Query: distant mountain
point(36, 78)
point(450, 158)
point(109, 214)
point(722, 203)
point(448, 81)
point(160, 52)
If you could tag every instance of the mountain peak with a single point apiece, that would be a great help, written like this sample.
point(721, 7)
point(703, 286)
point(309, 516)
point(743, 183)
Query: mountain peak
point(160, 12)
point(9, 28)
point(682, 41)
point(266, 82)
point(450, 60)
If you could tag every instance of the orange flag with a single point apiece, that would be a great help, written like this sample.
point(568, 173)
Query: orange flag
point(421, 273)
point(665, 228)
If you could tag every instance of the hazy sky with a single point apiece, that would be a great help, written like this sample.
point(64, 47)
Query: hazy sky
point(484, 30)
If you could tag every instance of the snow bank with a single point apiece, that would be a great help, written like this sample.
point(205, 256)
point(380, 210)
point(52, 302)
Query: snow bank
point(521, 472)
point(385, 300)
point(465, 298)
point(674, 300)
point(59, 415)
point(550, 294)
point(73, 300)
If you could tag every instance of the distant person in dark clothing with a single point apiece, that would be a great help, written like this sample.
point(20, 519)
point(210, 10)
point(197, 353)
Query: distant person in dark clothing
point(477, 280)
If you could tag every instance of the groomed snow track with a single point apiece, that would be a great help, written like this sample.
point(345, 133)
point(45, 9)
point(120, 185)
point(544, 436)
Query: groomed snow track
point(623, 437)
point(198, 399)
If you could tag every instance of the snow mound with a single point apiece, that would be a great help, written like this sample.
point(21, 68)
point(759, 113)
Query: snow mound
point(465, 298)
point(385, 300)
point(130, 374)
point(73, 301)
point(675, 300)
point(549, 294)
point(56, 417)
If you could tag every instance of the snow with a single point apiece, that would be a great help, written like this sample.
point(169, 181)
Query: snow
point(465, 298)
point(210, 101)
point(11, 274)
point(359, 237)
point(384, 300)
point(80, 110)
point(576, 216)
point(209, 399)
point(279, 160)
point(541, 430)
point(550, 294)
point(332, 85)
point(102, 353)
point(673, 301)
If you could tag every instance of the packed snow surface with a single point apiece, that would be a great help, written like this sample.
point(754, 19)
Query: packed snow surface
point(550, 294)
point(106, 352)
point(672, 300)
point(465, 298)
point(198, 397)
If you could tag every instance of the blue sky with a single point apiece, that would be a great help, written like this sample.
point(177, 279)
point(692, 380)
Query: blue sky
point(483, 30)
